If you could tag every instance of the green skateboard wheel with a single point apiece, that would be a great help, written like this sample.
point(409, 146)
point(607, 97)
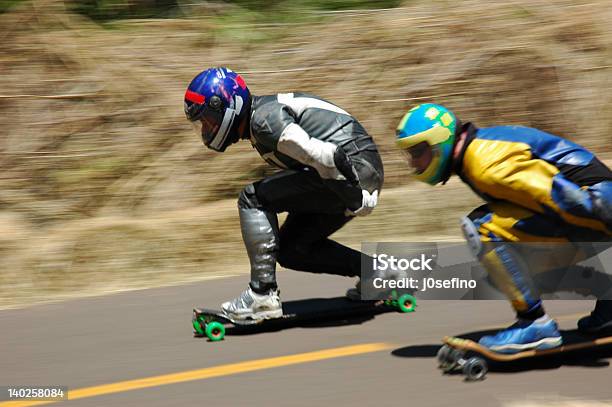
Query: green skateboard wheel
point(406, 303)
point(215, 331)
point(197, 326)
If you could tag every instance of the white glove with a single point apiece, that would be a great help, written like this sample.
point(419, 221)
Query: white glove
point(368, 203)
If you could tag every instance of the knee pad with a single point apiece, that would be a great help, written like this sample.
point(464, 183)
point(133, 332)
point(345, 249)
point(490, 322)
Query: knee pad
point(472, 236)
point(248, 198)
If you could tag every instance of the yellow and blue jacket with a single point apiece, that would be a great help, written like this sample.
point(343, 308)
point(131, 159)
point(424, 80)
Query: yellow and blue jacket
point(538, 171)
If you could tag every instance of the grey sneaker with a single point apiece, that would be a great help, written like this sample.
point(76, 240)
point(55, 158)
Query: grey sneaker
point(250, 305)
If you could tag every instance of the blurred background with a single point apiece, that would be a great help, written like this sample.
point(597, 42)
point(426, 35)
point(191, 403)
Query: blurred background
point(104, 186)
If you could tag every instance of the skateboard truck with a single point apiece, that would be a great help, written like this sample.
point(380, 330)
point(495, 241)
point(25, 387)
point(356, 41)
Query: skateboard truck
point(473, 368)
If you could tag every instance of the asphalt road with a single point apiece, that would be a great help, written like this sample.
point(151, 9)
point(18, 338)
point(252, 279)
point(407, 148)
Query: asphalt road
point(139, 347)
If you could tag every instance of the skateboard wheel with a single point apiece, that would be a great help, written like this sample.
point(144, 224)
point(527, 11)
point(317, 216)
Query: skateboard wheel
point(197, 321)
point(406, 303)
point(215, 331)
point(197, 327)
point(453, 358)
point(475, 369)
point(442, 356)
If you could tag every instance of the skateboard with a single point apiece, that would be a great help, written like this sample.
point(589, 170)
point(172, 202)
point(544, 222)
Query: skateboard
point(471, 358)
point(213, 323)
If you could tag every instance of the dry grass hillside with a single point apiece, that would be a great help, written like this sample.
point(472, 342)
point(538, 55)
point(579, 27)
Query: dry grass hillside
point(104, 186)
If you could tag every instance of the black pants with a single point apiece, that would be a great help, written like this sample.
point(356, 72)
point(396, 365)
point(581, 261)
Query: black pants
point(316, 210)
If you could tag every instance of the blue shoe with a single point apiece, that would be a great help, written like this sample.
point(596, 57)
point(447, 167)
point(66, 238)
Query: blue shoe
point(524, 335)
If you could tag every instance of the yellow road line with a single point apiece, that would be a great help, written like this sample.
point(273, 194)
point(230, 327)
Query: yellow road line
point(229, 369)
point(209, 372)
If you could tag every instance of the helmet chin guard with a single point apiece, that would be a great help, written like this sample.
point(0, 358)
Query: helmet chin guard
point(219, 140)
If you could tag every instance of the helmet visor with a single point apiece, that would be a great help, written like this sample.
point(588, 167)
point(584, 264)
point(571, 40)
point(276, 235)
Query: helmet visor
point(419, 157)
point(207, 126)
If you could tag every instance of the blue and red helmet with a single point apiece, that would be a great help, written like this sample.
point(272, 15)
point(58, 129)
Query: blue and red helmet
point(216, 101)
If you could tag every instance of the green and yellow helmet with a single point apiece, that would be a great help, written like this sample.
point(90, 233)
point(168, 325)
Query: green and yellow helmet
point(432, 125)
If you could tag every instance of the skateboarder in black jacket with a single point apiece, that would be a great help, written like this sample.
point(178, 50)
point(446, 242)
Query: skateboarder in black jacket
point(331, 172)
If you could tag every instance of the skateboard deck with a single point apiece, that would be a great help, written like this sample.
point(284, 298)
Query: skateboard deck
point(213, 323)
point(453, 354)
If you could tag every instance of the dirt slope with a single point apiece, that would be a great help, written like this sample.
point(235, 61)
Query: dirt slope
point(105, 186)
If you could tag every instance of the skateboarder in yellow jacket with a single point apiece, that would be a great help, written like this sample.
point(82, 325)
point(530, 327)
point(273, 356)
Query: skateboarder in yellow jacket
point(538, 188)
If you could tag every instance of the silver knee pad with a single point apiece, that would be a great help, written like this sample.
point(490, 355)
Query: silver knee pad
point(470, 232)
